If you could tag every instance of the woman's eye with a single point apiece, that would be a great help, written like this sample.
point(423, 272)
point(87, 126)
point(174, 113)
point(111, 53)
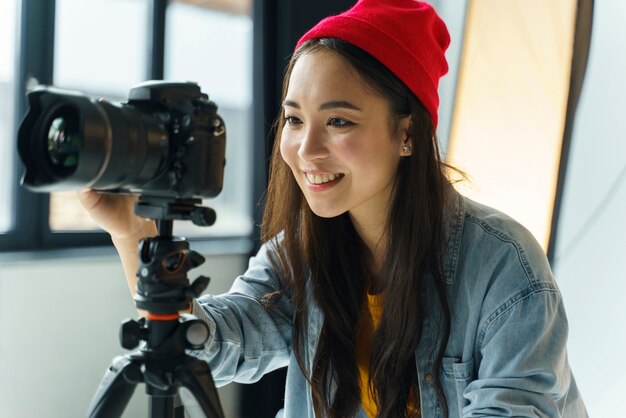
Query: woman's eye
point(292, 120)
point(339, 122)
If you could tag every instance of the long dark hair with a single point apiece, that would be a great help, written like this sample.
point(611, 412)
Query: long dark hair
point(329, 254)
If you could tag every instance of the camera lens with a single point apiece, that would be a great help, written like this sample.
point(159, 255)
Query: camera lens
point(64, 143)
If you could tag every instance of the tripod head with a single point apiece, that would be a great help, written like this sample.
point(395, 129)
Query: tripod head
point(164, 260)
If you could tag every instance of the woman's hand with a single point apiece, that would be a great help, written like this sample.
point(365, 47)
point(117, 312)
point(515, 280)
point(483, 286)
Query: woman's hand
point(115, 214)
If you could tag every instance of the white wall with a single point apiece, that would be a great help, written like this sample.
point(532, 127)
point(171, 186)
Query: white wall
point(59, 323)
point(590, 259)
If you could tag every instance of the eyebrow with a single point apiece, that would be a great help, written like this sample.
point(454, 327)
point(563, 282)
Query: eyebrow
point(335, 104)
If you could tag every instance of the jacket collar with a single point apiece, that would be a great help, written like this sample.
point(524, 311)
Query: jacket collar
point(453, 220)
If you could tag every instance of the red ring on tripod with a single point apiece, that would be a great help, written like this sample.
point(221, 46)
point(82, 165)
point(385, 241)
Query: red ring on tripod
point(162, 317)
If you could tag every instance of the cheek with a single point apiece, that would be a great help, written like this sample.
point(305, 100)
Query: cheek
point(358, 151)
point(371, 155)
point(288, 149)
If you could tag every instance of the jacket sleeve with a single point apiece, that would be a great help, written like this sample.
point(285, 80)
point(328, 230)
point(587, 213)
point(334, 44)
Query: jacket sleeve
point(247, 339)
point(523, 369)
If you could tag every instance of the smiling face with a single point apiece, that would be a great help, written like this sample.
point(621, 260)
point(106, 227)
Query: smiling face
point(337, 138)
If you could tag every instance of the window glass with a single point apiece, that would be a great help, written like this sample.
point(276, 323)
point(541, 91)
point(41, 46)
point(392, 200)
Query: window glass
point(100, 50)
point(206, 42)
point(214, 48)
point(8, 19)
point(100, 45)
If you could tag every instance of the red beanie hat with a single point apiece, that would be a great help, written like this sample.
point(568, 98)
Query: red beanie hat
point(407, 36)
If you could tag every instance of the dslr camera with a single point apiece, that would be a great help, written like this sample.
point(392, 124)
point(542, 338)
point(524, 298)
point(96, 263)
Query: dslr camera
point(166, 141)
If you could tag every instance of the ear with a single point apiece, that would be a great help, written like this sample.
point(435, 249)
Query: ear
point(406, 136)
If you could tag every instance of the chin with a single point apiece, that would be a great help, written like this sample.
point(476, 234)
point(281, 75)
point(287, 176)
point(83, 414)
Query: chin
point(326, 212)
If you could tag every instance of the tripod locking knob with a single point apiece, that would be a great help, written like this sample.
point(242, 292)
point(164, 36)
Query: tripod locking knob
point(196, 332)
point(131, 333)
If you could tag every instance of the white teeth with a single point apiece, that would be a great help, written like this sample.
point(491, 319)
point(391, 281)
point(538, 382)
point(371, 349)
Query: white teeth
point(317, 179)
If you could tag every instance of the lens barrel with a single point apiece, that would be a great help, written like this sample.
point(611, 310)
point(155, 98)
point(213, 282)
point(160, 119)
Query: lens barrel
point(165, 141)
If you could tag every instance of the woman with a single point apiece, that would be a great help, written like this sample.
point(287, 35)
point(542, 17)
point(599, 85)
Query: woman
point(384, 291)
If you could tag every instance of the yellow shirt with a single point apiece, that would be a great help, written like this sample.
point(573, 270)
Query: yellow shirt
point(368, 323)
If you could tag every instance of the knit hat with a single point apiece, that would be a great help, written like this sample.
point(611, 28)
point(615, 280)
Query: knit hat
point(407, 36)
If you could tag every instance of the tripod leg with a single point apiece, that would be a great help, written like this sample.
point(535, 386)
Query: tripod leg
point(161, 407)
point(115, 389)
point(197, 390)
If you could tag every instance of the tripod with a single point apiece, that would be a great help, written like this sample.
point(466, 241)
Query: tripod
point(163, 290)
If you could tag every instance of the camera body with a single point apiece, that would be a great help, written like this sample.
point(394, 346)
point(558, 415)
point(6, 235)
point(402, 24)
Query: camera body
point(165, 141)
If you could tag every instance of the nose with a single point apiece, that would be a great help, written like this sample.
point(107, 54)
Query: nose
point(313, 145)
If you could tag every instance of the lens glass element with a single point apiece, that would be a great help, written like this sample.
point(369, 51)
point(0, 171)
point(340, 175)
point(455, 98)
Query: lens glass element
point(63, 143)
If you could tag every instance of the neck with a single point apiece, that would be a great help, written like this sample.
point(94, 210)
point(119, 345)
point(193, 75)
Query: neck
point(370, 222)
point(372, 232)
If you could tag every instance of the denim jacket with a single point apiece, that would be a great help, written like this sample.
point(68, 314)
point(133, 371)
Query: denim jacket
point(506, 353)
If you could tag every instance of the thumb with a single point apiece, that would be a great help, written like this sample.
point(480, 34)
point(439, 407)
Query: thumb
point(88, 198)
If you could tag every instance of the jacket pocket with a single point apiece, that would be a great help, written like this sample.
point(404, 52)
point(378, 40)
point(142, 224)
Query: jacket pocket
point(456, 375)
